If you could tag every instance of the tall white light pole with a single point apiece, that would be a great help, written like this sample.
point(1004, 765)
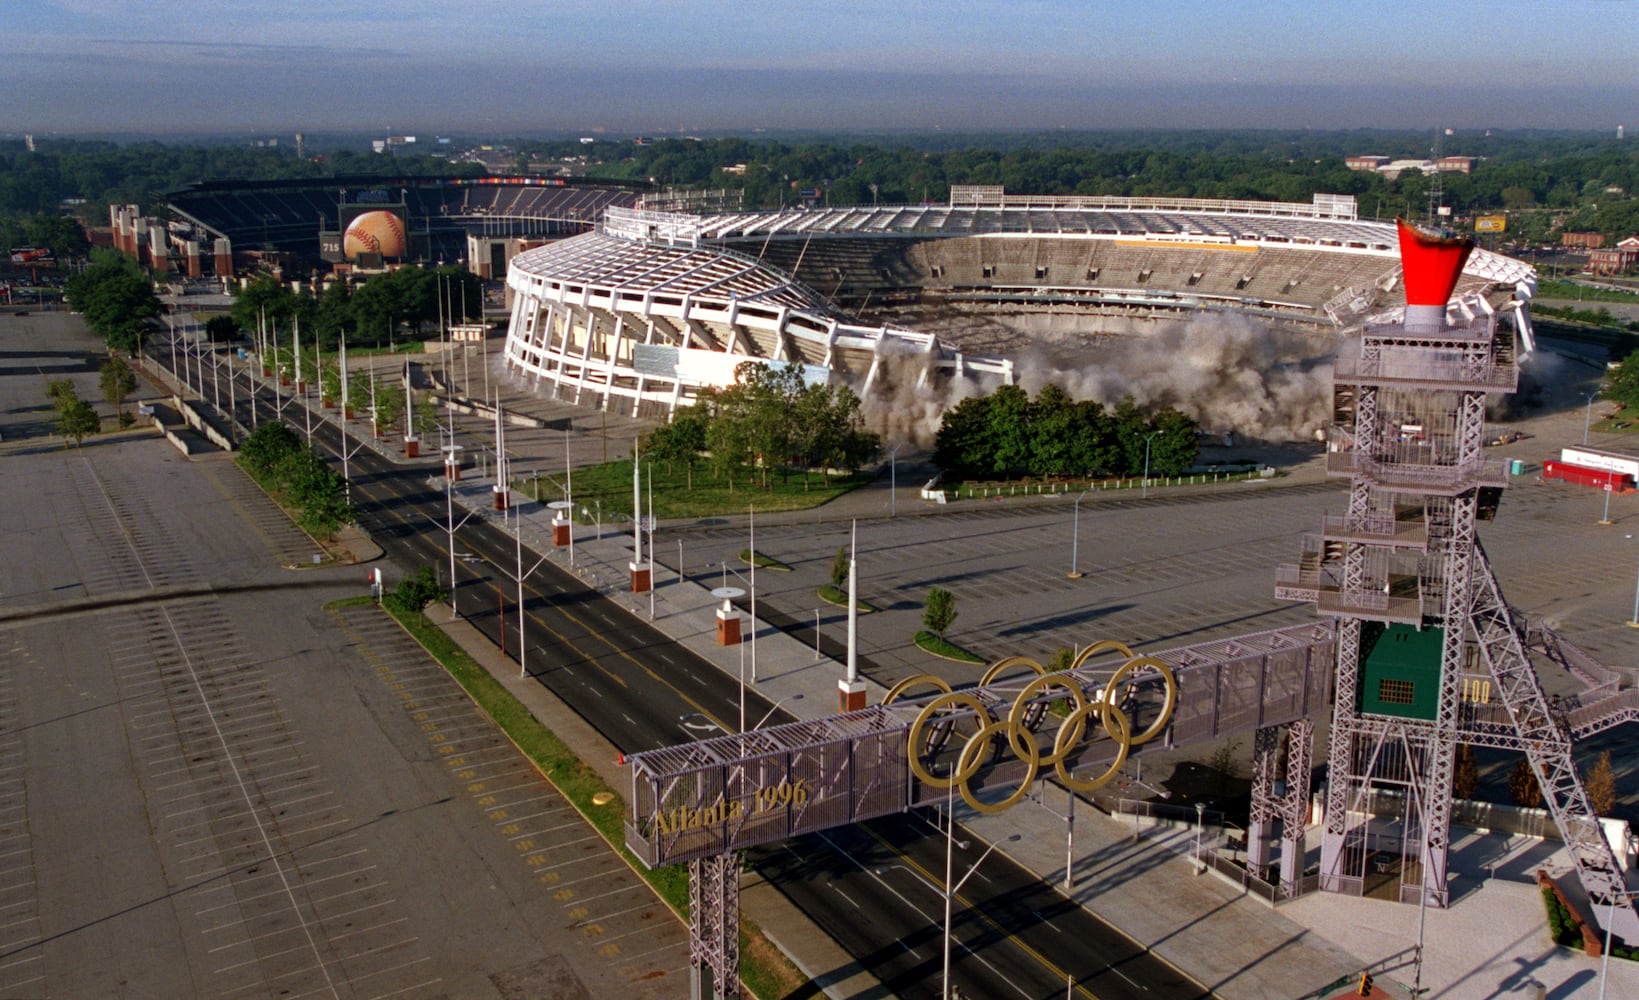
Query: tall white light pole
point(1075, 535)
point(637, 509)
point(752, 521)
point(1147, 439)
point(518, 544)
point(853, 606)
point(1587, 418)
point(651, 522)
point(568, 494)
point(1634, 621)
point(952, 890)
point(1610, 916)
point(341, 362)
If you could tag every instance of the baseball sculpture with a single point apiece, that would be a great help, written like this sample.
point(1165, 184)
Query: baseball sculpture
point(375, 232)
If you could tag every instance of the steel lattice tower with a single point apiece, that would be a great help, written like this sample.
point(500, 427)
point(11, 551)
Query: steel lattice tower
point(1427, 649)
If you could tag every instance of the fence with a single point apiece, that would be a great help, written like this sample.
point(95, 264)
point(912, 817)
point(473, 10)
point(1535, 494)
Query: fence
point(988, 490)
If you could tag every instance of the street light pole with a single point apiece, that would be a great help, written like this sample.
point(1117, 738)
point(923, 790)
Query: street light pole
point(952, 890)
point(751, 520)
point(1075, 535)
point(1634, 621)
point(1587, 418)
point(1610, 917)
point(1147, 439)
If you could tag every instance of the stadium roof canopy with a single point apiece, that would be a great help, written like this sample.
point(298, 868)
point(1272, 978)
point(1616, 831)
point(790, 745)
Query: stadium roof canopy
point(625, 266)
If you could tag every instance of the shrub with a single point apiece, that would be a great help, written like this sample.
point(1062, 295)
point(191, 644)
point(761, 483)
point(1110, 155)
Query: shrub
point(414, 592)
point(940, 612)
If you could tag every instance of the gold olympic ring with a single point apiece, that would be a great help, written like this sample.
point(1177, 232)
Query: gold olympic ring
point(975, 749)
point(1101, 646)
point(895, 692)
point(1018, 729)
point(1005, 662)
point(1161, 719)
point(1123, 742)
point(962, 772)
point(1026, 750)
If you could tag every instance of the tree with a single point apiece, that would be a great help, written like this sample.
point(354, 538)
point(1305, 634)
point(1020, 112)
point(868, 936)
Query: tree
point(839, 568)
point(1600, 782)
point(1523, 787)
point(61, 234)
point(117, 381)
point(939, 614)
point(1622, 383)
point(116, 298)
point(414, 592)
point(682, 440)
point(265, 300)
point(962, 446)
point(77, 419)
point(1008, 427)
point(60, 391)
point(268, 446)
point(1176, 442)
point(220, 329)
point(1129, 426)
point(1053, 443)
point(1466, 779)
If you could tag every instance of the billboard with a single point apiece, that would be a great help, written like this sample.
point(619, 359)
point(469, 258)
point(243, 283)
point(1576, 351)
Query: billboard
point(369, 229)
point(1491, 224)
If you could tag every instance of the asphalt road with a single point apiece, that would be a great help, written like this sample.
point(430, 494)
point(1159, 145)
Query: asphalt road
point(1018, 937)
point(1012, 935)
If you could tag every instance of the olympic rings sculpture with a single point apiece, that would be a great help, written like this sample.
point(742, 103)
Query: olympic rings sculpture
point(1017, 729)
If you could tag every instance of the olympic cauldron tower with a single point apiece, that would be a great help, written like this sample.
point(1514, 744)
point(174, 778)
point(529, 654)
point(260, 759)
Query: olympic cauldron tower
point(1429, 656)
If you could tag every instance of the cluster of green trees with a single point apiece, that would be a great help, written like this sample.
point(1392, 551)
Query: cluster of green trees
point(768, 420)
point(276, 457)
point(61, 234)
point(389, 307)
point(75, 417)
point(1622, 382)
point(116, 298)
point(1007, 434)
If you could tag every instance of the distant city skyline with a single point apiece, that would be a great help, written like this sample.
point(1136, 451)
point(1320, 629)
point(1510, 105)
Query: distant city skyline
point(650, 66)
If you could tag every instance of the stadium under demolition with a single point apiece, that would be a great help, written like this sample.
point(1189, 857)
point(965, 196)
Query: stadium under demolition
point(1226, 310)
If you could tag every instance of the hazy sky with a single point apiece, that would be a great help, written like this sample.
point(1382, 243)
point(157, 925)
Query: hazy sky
point(648, 66)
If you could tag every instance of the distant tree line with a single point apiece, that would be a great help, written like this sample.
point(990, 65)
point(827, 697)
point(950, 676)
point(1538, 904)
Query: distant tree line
point(1006, 434)
point(400, 304)
point(770, 421)
point(1565, 181)
point(1578, 180)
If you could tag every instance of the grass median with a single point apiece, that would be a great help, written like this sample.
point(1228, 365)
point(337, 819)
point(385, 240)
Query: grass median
point(764, 969)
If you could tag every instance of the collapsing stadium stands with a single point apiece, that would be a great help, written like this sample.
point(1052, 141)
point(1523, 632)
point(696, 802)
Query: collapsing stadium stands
point(621, 317)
